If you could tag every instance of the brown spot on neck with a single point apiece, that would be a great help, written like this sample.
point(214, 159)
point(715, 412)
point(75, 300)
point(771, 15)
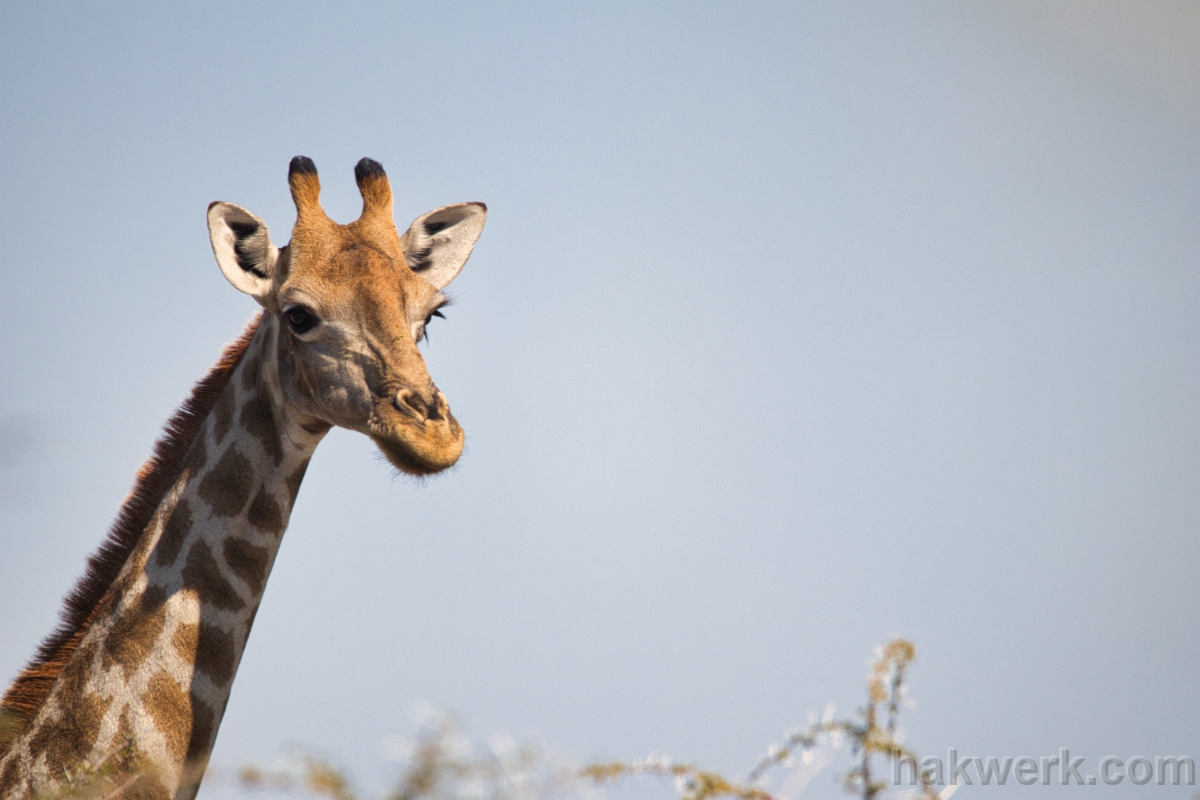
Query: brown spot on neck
point(203, 574)
point(215, 654)
point(186, 640)
point(250, 373)
point(174, 534)
point(249, 562)
point(169, 709)
point(265, 513)
point(258, 418)
point(226, 488)
point(223, 416)
point(9, 777)
point(204, 732)
point(133, 635)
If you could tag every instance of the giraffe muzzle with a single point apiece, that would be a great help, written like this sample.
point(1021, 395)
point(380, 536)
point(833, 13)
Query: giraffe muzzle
point(420, 436)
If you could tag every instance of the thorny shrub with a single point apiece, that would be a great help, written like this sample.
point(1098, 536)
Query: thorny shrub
point(443, 764)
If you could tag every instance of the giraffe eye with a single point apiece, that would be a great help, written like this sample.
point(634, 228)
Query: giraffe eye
point(425, 327)
point(300, 320)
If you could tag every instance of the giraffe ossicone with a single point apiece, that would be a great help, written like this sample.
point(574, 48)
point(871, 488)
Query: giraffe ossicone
point(141, 666)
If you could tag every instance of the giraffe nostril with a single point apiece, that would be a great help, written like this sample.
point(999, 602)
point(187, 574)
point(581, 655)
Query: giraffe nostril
point(438, 409)
point(410, 402)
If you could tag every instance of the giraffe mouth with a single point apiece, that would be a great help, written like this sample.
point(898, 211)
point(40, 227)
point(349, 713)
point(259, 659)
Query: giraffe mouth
point(418, 438)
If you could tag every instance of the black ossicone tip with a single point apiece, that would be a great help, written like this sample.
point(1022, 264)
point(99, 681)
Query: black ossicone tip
point(302, 165)
point(368, 168)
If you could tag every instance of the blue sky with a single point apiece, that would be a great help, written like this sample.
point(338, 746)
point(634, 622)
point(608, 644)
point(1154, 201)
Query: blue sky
point(794, 326)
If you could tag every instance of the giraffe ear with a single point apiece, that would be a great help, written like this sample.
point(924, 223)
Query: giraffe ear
point(437, 244)
point(243, 249)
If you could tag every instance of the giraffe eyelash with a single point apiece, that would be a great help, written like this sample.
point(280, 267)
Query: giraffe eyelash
point(437, 312)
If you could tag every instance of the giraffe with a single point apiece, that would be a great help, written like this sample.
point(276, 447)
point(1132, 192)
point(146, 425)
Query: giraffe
point(140, 669)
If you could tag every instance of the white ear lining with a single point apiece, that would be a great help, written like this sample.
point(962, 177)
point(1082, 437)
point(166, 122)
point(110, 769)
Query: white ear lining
point(243, 248)
point(438, 244)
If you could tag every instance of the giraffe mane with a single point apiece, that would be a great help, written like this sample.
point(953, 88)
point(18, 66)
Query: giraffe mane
point(32, 685)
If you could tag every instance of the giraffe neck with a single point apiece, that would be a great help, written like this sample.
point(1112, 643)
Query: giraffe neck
point(152, 673)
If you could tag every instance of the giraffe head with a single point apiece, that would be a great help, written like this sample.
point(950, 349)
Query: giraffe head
point(348, 304)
